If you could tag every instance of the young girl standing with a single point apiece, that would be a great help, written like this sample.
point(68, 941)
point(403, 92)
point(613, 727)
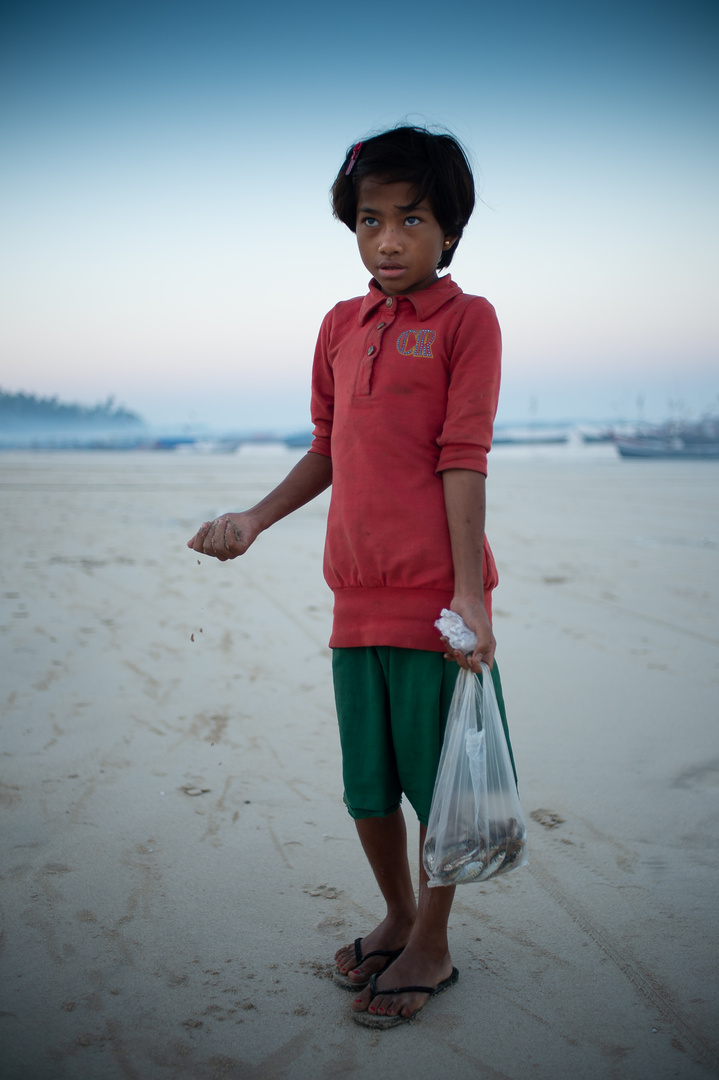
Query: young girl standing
point(404, 392)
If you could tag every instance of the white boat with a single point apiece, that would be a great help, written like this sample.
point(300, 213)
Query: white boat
point(696, 442)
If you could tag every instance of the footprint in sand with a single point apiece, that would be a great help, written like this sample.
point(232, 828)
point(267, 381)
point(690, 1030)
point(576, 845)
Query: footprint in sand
point(548, 818)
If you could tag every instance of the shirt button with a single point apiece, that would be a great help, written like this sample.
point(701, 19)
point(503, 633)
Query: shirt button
point(388, 303)
point(370, 350)
point(380, 325)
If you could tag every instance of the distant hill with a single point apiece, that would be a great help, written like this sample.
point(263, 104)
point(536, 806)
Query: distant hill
point(26, 413)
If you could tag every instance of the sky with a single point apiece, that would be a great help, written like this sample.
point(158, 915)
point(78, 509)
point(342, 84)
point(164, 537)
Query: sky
point(167, 237)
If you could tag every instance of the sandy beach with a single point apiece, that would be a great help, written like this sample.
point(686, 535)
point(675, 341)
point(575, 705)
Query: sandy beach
point(178, 868)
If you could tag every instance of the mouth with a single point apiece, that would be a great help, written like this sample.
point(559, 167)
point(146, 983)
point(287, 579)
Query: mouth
point(391, 269)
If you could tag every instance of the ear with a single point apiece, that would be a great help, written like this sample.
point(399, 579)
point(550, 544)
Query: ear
point(449, 241)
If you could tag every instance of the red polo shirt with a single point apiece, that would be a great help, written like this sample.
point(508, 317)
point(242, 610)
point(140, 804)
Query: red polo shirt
point(402, 388)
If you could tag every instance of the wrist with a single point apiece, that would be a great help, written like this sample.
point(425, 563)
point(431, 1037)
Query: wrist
point(471, 609)
point(257, 520)
point(467, 599)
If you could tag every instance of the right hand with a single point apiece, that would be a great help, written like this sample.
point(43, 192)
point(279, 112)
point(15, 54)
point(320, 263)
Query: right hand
point(475, 616)
point(226, 537)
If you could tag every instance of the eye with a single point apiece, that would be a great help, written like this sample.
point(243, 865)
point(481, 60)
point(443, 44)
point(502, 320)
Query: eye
point(371, 221)
point(412, 220)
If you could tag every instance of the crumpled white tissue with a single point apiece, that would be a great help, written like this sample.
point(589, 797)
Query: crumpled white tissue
point(454, 628)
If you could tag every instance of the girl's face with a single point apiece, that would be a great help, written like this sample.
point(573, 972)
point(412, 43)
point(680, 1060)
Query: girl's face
point(399, 247)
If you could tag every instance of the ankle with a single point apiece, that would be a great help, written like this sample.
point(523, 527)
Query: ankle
point(400, 922)
point(394, 931)
point(433, 947)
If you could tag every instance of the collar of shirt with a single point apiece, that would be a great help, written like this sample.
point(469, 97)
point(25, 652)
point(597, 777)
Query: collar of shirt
point(425, 302)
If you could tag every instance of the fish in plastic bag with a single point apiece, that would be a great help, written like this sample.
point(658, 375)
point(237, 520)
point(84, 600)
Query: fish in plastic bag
point(476, 828)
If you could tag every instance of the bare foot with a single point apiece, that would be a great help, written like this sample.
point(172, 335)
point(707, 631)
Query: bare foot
point(413, 968)
point(390, 934)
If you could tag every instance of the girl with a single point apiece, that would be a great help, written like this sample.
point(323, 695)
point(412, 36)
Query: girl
point(404, 392)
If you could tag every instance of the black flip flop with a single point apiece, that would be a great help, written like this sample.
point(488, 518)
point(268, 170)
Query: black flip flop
point(348, 984)
point(372, 1020)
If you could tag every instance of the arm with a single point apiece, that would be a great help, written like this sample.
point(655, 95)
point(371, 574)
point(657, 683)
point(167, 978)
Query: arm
point(464, 499)
point(231, 534)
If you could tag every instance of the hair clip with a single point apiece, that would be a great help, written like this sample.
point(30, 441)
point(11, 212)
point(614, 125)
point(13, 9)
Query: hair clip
point(355, 154)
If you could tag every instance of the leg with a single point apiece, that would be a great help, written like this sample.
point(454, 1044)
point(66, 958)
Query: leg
point(384, 840)
point(425, 960)
point(421, 685)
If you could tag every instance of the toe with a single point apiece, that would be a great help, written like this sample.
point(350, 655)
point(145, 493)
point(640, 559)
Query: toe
point(345, 959)
point(397, 1005)
point(362, 1001)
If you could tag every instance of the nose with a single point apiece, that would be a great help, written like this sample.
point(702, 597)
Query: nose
point(389, 242)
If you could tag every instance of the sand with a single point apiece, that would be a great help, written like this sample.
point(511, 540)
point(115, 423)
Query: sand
point(177, 865)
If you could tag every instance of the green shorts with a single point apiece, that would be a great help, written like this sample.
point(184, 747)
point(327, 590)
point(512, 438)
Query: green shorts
point(392, 707)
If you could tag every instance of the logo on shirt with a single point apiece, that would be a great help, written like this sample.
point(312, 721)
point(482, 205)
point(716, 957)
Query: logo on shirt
point(415, 343)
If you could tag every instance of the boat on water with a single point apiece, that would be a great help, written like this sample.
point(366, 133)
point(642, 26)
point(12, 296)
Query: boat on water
point(596, 435)
point(696, 442)
point(528, 437)
point(299, 440)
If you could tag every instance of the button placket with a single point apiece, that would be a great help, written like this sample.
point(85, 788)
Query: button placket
point(373, 345)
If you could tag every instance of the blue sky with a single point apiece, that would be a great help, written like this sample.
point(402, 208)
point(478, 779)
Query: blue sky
point(167, 236)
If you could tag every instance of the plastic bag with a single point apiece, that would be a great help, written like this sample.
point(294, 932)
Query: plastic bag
point(454, 628)
point(476, 828)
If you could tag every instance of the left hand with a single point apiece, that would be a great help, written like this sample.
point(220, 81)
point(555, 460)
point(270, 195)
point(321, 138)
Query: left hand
point(475, 616)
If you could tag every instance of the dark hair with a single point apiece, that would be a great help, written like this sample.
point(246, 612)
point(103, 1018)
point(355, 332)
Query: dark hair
point(436, 165)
